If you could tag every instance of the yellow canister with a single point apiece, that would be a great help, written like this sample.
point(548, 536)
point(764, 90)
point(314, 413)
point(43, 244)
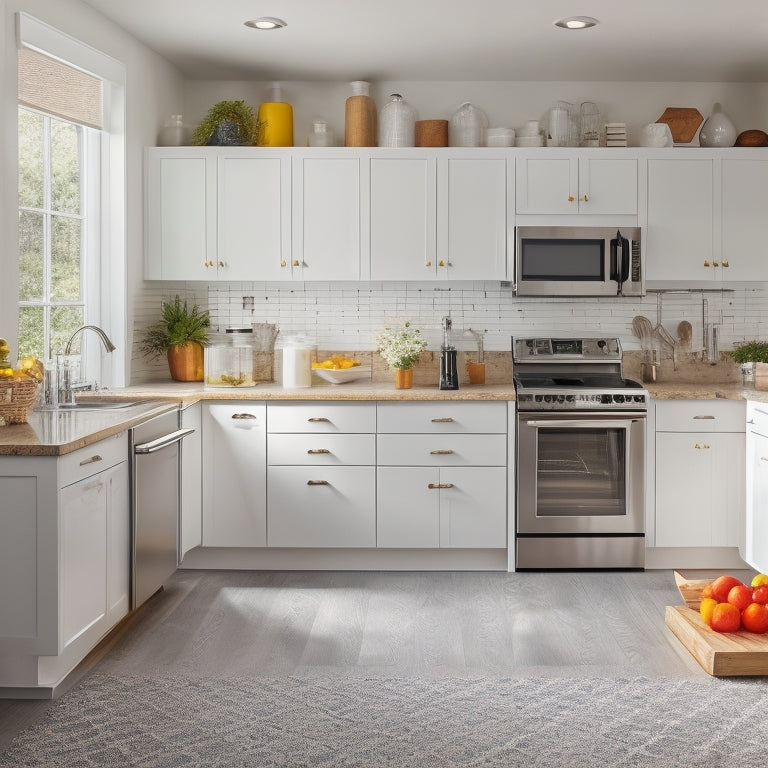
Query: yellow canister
point(276, 117)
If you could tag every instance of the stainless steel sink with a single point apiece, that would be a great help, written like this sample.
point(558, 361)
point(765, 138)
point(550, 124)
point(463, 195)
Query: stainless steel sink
point(104, 405)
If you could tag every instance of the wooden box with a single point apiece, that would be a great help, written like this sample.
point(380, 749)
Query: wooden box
point(722, 654)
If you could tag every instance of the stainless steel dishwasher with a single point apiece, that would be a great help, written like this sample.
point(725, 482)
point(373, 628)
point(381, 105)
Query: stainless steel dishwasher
point(155, 449)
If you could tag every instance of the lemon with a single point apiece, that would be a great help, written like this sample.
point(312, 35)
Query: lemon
point(759, 580)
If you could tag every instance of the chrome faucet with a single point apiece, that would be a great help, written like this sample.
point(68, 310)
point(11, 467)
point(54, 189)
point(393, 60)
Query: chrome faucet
point(66, 386)
point(108, 345)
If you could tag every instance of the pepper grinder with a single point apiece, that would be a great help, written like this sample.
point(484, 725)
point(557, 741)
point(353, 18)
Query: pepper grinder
point(449, 377)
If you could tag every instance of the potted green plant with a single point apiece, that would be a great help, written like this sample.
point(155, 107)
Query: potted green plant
point(401, 347)
point(753, 358)
point(180, 334)
point(228, 123)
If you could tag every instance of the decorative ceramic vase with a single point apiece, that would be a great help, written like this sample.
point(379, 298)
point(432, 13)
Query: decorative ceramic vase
point(227, 134)
point(468, 126)
point(403, 378)
point(718, 130)
point(360, 117)
point(186, 362)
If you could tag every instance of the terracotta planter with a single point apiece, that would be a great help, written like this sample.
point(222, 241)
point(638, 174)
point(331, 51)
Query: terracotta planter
point(403, 378)
point(186, 362)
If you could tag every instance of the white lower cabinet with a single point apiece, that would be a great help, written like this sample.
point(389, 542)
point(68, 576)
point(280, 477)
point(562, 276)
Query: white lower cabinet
point(64, 559)
point(234, 474)
point(754, 538)
point(442, 475)
point(321, 477)
point(700, 473)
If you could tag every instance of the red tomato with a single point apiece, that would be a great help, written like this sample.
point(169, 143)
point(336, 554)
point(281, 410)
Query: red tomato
point(726, 618)
point(740, 596)
point(755, 618)
point(760, 594)
point(722, 585)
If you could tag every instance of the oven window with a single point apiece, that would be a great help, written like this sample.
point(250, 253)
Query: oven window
point(581, 472)
point(561, 259)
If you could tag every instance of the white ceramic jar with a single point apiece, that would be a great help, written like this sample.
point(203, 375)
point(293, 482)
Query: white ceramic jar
point(297, 362)
point(718, 130)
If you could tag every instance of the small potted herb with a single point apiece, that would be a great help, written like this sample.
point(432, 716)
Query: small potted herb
point(180, 334)
point(753, 358)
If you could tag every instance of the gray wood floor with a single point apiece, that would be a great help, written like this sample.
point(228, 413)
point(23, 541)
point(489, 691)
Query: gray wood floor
point(258, 623)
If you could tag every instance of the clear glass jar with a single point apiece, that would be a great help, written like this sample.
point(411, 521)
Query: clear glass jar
point(321, 136)
point(468, 126)
point(174, 134)
point(229, 366)
point(397, 123)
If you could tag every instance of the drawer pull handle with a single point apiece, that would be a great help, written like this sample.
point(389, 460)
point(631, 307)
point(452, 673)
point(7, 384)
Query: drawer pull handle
point(315, 451)
point(444, 420)
point(318, 420)
point(437, 486)
point(91, 460)
point(703, 417)
point(751, 421)
point(764, 458)
point(704, 447)
point(317, 482)
point(243, 416)
point(441, 452)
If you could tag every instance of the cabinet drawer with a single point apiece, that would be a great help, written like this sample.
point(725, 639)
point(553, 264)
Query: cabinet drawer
point(321, 507)
point(321, 450)
point(700, 416)
point(91, 459)
point(442, 417)
point(442, 450)
point(321, 417)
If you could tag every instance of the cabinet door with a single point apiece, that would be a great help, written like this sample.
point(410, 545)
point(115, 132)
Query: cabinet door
point(403, 212)
point(180, 214)
point(679, 235)
point(322, 506)
point(234, 475)
point(119, 521)
point(745, 224)
point(408, 510)
point(84, 555)
point(699, 489)
point(326, 217)
point(473, 507)
point(191, 491)
point(546, 185)
point(254, 210)
point(607, 186)
point(755, 551)
point(472, 218)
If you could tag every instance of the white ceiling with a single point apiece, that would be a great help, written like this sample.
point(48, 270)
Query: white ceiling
point(470, 40)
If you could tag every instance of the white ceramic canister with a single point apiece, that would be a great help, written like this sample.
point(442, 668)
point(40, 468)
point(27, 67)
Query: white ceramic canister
point(297, 362)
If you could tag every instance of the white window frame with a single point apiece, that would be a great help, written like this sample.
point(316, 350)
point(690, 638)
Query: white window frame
point(108, 308)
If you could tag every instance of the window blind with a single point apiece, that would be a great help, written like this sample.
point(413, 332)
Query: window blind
point(49, 86)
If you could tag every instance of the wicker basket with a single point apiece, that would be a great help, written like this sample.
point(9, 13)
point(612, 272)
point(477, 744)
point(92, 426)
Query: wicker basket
point(431, 133)
point(17, 398)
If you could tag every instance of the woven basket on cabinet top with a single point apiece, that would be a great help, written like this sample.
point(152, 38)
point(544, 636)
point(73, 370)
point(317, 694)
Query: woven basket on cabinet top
point(17, 398)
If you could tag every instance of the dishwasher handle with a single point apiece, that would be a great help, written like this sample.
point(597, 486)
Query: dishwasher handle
point(162, 442)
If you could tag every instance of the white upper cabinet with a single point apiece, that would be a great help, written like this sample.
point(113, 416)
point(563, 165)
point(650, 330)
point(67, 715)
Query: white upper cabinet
point(326, 216)
point(472, 216)
point(679, 237)
point(403, 210)
point(254, 219)
point(180, 214)
point(568, 184)
point(744, 219)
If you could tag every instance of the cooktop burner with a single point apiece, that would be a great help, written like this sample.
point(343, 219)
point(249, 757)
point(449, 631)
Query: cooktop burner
point(541, 380)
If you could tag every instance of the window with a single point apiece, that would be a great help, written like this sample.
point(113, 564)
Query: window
point(56, 271)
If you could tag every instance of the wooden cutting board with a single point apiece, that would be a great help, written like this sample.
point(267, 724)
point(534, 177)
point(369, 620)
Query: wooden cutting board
point(683, 122)
point(721, 654)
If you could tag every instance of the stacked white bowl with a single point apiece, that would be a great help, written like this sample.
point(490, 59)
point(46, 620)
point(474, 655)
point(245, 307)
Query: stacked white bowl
point(529, 135)
point(499, 137)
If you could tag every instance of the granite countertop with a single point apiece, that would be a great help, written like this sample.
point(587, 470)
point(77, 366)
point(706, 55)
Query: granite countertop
point(708, 391)
point(55, 433)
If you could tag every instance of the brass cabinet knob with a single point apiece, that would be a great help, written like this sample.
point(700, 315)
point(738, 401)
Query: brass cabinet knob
point(706, 263)
point(296, 263)
point(283, 263)
point(571, 198)
point(585, 198)
point(715, 264)
point(725, 264)
point(221, 264)
point(428, 264)
point(441, 263)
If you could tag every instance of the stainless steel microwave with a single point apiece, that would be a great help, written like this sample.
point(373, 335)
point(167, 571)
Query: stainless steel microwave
point(578, 261)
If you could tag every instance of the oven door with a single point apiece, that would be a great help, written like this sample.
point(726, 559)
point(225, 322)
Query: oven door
point(580, 473)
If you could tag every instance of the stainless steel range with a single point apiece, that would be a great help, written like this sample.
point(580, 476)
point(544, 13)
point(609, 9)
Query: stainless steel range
point(580, 456)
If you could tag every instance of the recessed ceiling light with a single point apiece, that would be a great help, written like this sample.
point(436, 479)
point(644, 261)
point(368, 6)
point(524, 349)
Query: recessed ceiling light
point(576, 22)
point(266, 22)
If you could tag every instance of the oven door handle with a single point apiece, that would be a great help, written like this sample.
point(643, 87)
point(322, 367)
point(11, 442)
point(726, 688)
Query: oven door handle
point(585, 423)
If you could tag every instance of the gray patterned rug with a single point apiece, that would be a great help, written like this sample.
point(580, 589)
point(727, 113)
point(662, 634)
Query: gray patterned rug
point(376, 723)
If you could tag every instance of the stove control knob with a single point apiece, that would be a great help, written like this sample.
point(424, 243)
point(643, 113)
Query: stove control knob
point(569, 398)
point(639, 398)
point(561, 398)
point(547, 398)
point(618, 398)
point(538, 398)
point(605, 398)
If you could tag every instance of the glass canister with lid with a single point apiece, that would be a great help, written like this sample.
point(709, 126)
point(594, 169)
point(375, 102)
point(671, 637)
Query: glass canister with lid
point(397, 126)
point(228, 361)
point(468, 126)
